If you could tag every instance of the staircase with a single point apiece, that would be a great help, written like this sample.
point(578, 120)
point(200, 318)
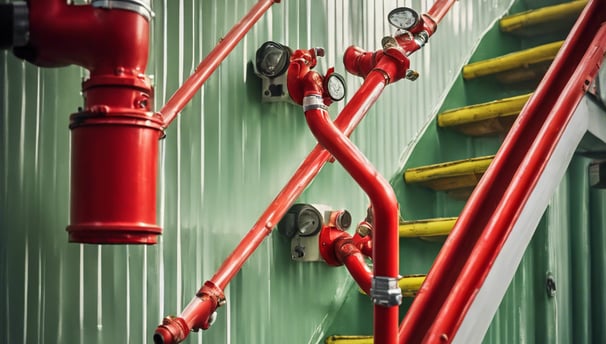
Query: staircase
point(451, 157)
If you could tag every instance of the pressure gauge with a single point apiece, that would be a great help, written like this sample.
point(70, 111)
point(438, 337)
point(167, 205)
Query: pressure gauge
point(403, 18)
point(272, 59)
point(335, 86)
point(309, 221)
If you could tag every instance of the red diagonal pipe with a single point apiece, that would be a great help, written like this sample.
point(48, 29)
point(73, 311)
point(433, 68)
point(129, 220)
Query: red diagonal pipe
point(212, 61)
point(351, 116)
point(353, 112)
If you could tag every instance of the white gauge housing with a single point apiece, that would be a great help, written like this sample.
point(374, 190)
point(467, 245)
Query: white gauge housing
point(403, 18)
point(335, 86)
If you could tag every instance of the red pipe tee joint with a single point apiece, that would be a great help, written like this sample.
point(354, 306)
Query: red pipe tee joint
point(392, 61)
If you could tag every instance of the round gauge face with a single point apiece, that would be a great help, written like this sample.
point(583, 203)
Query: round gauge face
point(309, 221)
point(335, 85)
point(403, 18)
point(272, 59)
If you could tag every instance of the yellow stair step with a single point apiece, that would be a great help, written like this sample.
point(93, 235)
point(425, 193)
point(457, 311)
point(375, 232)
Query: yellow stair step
point(349, 340)
point(456, 177)
point(427, 228)
point(550, 19)
point(486, 118)
point(409, 284)
point(524, 65)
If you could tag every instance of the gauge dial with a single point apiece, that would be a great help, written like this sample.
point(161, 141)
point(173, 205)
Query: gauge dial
point(403, 18)
point(272, 59)
point(309, 221)
point(335, 86)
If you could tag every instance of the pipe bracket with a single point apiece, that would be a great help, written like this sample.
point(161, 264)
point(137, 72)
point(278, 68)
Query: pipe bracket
point(385, 291)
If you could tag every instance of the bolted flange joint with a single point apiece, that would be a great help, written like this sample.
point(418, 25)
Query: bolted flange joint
point(385, 292)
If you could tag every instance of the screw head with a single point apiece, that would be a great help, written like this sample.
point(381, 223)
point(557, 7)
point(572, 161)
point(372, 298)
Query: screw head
point(550, 285)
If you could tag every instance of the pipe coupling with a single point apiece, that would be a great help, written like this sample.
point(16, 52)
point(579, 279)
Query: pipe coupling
point(421, 38)
point(384, 291)
point(312, 102)
point(143, 7)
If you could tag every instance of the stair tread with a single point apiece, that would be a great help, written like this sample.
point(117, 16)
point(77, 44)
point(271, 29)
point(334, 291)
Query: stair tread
point(427, 227)
point(549, 19)
point(514, 67)
point(449, 176)
point(409, 284)
point(485, 118)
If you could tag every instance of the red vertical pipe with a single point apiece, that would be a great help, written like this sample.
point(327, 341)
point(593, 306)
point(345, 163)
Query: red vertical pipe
point(115, 135)
point(212, 61)
point(385, 212)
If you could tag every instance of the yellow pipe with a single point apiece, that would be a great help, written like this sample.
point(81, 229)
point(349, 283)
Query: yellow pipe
point(542, 15)
point(479, 112)
point(542, 53)
point(449, 169)
point(349, 340)
point(427, 228)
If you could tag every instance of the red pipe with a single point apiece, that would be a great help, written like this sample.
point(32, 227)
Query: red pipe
point(338, 248)
point(347, 121)
point(191, 86)
point(354, 261)
point(351, 115)
point(115, 135)
point(383, 199)
point(385, 240)
point(494, 206)
point(364, 244)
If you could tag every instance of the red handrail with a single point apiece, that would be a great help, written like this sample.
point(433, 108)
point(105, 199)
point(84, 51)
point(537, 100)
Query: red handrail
point(487, 219)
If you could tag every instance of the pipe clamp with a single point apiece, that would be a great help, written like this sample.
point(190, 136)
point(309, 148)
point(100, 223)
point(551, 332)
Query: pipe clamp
point(385, 291)
point(312, 102)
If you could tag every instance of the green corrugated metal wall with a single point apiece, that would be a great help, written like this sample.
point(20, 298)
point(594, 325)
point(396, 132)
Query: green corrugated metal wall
point(222, 162)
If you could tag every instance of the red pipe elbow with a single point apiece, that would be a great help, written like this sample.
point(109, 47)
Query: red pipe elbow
point(197, 315)
point(359, 62)
point(98, 39)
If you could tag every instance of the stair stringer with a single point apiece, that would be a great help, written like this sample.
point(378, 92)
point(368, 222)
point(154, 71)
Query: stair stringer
point(588, 118)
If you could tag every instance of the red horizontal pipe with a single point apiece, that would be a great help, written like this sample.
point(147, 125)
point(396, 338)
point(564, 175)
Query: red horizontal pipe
point(496, 202)
point(385, 212)
point(212, 61)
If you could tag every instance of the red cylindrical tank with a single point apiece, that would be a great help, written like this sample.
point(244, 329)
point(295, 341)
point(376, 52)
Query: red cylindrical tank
point(114, 164)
